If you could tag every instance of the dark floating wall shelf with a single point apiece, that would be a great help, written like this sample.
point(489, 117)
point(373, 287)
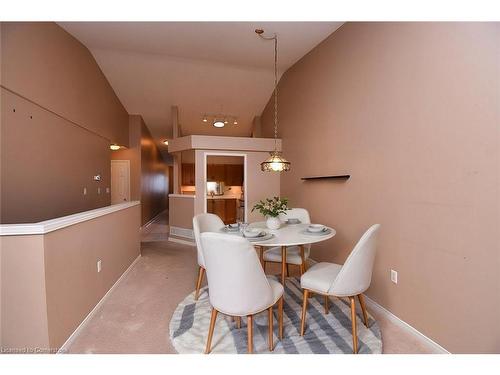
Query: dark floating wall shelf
point(338, 177)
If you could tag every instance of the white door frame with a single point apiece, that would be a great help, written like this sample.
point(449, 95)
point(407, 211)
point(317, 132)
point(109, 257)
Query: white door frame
point(215, 153)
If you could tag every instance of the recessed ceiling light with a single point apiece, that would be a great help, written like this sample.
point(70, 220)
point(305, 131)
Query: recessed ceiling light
point(235, 122)
point(205, 119)
point(114, 147)
point(218, 124)
point(166, 141)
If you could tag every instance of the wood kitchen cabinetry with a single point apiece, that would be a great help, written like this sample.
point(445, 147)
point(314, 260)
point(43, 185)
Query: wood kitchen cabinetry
point(230, 174)
point(216, 172)
point(234, 175)
point(224, 208)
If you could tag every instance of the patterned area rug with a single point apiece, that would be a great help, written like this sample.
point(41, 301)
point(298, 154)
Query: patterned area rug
point(330, 333)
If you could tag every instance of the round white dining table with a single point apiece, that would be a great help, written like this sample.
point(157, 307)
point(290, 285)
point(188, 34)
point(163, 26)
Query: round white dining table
point(288, 235)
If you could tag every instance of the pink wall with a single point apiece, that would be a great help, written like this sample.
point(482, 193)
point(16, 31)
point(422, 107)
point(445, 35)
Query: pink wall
point(411, 111)
point(47, 65)
point(58, 116)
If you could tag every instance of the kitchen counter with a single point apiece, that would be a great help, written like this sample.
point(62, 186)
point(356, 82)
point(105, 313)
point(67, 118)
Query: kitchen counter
point(225, 196)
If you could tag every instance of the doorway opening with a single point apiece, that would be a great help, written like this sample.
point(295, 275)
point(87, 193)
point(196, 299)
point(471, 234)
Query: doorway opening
point(225, 186)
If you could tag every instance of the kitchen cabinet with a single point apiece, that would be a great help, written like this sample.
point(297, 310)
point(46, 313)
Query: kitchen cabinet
point(188, 174)
point(234, 175)
point(230, 174)
point(230, 211)
point(216, 172)
point(226, 209)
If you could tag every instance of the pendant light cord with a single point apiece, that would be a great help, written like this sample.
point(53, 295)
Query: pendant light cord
point(260, 32)
point(275, 91)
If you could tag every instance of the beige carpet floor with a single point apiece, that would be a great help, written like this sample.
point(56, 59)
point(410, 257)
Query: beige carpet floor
point(135, 317)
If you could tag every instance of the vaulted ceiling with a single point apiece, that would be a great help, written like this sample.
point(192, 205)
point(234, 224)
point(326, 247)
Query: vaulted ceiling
point(201, 67)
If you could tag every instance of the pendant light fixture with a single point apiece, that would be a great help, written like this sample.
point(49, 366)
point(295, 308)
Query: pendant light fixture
point(275, 162)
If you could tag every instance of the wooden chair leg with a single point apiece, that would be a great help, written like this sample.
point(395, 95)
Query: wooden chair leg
point(353, 322)
point(280, 318)
point(270, 317)
point(238, 322)
point(264, 266)
point(213, 318)
point(201, 272)
point(250, 333)
point(304, 310)
point(287, 271)
point(283, 265)
point(303, 265)
point(261, 255)
point(326, 304)
point(363, 308)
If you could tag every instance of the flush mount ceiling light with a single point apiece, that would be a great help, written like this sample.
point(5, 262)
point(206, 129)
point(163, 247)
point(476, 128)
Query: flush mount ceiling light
point(166, 142)
point(218, 124)
point(114, 147)
point(275, 162)
point(219, 120)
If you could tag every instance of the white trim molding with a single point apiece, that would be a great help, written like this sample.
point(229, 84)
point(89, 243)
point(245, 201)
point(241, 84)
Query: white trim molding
point(187, 236)
point(152, 220)
point(181, 232)
point(70, 339)
point(51, 225)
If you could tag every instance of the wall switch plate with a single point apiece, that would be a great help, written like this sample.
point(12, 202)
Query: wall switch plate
point(98, 190)
point(107, 190)
point(85, 191)
point(394, 276)
point(99, 267)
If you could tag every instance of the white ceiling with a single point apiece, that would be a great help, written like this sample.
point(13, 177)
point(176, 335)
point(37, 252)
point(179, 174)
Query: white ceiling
point(202, 67)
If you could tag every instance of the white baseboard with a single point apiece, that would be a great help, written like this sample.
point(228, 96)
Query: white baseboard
point(181, 232)
point(152, 220)
point(181, 241)
point(96, 307)
point(402, 324)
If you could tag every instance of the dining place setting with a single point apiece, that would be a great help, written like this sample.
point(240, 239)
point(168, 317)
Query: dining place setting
point(312, 311)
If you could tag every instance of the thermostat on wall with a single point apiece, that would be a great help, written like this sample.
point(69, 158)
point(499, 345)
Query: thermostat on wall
point(97, 177)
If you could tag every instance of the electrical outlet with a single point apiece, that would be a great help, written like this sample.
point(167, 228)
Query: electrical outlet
point(99, 267)
point(85, 191)
point(394, 276)
point(107, 190)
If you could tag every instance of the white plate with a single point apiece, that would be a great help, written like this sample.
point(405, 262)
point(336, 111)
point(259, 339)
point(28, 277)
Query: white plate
point(254, 233)
point(258, 239)
point(230, 230)
point(322, 233)
point(316, 228)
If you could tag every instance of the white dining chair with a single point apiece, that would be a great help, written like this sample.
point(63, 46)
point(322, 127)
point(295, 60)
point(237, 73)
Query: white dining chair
point(203, 223)
point(348, 280)
point(238, 285)
point(296, 255)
